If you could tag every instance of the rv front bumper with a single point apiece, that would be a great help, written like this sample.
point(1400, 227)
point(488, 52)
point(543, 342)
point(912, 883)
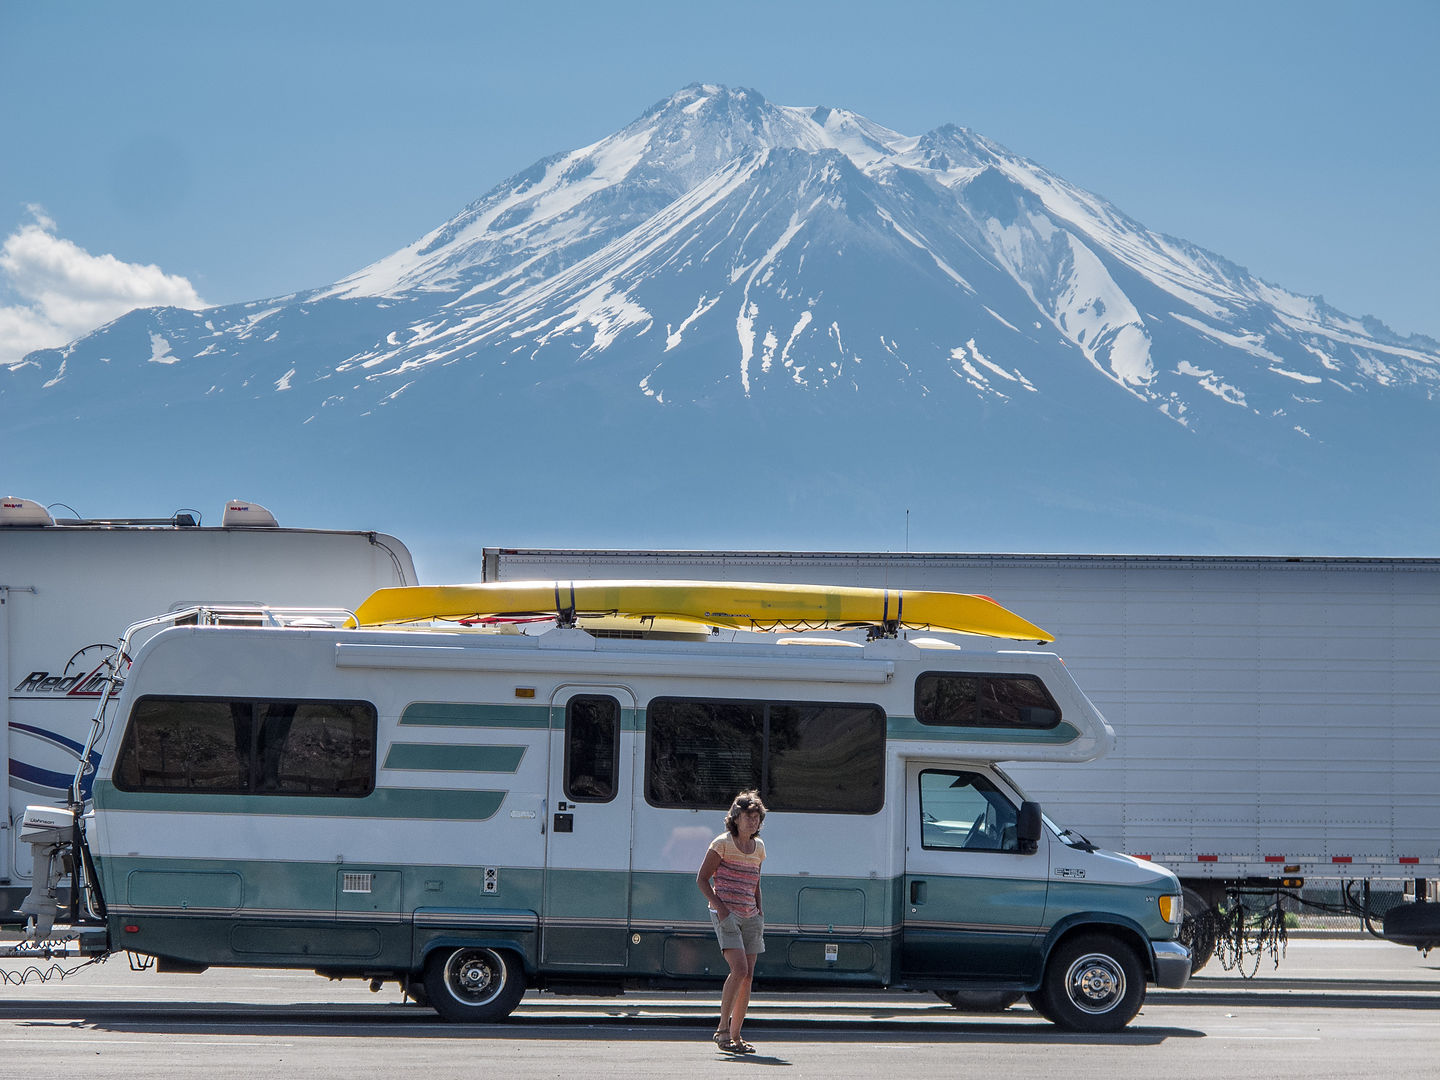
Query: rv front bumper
point(1172, 964)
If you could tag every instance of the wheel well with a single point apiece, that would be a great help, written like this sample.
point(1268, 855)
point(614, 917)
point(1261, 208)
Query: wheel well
point(1125, 935)
point(1209, 890)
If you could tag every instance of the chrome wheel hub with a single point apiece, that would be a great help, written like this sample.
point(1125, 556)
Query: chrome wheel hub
point(1095, 983)
point(472, 976)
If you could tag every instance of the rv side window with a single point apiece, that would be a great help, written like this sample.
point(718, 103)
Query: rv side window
point(592, 748)
point(964, 811)
point(954, 699)
point(804, 757)
point(249, 747)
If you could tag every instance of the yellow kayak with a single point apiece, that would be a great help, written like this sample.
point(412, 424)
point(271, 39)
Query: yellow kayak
point(738, 605)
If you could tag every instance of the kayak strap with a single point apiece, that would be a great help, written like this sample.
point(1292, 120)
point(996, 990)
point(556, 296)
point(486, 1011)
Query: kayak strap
point(565, 613)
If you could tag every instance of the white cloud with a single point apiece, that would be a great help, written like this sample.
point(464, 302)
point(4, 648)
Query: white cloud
point(66, 292)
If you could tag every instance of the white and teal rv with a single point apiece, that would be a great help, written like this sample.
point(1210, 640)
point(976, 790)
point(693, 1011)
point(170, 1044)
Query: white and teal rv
point(473, 814)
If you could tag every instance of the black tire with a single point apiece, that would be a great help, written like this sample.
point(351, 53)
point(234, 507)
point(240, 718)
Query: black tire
point(979, 1001)
point(1037, 1002)
point(473, 985)
point(1199, 930)
point(1093, 983)
point(415, 991)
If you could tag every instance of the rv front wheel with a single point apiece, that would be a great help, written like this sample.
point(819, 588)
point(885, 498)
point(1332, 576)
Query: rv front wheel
point(473, 985)
point(1092, 983)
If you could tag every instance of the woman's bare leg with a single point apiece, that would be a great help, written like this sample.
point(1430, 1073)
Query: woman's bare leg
point(742, 966)
point(736, 995)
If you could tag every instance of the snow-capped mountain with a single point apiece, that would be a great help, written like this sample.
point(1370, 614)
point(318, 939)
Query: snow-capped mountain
point(773, 274)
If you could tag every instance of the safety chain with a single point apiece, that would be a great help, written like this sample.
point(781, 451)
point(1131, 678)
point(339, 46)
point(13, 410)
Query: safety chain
point(42, 950)
point(1244, 934)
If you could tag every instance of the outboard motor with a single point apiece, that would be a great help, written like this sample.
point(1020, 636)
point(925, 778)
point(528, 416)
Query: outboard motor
point(49, 831)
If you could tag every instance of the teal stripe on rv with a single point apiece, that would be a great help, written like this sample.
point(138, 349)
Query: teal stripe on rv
point(455, 714)
point(911, 730)
point(448, 757)
point(442, 804)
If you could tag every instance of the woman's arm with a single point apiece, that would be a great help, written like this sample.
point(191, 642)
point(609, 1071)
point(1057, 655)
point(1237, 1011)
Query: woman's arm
point(707, 890)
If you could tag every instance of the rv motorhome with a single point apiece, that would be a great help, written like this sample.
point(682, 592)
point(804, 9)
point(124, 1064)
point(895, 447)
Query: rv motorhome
point(470, 814)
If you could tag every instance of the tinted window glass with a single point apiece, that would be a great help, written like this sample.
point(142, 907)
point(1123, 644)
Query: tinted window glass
point(964, 811)
point(1017, 701)
point(249, 747)
point(825, 758)
point(802, 756)
point(701, 753)
point(315, 748)
point(186, 746)
point(949, 699)
point(592, 748)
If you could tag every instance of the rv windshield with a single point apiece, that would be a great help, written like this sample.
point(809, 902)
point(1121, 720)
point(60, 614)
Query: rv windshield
point(1067, 836)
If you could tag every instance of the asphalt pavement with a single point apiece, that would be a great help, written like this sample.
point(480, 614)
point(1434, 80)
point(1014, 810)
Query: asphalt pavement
point(1334, 1007)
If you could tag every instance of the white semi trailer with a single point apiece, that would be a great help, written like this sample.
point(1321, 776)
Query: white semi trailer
point(70, 587)
point(1278, 719)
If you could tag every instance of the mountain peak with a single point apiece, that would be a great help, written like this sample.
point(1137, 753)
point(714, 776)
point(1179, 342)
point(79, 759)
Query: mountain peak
point(785, 242)
point(736, 311)
point(709, 102)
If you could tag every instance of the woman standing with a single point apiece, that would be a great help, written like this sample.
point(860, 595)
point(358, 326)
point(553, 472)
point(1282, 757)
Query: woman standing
point(729, 879)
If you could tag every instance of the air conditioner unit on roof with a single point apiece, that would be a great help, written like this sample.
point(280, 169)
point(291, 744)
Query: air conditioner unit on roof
point(15, 511)
point(242, 514)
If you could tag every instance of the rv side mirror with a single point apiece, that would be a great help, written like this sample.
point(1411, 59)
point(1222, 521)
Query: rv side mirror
point(1027, 828)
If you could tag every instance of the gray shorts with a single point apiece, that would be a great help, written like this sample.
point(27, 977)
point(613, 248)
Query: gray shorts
point(740, 932)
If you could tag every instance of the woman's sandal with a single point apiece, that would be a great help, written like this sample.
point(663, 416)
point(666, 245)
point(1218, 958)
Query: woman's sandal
point(722, 1039)
point(737, 1046)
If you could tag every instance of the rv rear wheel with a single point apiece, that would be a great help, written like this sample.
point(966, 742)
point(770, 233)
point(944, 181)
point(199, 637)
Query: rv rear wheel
point(473, 984)
point(1092, 983)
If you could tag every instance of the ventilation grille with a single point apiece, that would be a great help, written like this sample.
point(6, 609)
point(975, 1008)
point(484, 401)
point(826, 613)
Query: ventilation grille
point(357, 882)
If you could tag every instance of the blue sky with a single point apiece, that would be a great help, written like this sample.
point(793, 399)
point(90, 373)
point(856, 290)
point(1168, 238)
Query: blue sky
point(247, 150)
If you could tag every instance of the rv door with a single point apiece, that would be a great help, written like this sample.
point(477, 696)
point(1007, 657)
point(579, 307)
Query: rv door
point(585, 910)
point(974, 904)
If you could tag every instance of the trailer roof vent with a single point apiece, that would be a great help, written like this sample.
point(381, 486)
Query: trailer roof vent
point(243, 514)
point(15, 511)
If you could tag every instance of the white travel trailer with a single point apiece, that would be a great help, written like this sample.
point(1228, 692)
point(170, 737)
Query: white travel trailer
point(470, 814)
point(69, 588)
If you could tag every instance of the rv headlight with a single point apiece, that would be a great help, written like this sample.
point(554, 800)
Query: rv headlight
point(1172, 909)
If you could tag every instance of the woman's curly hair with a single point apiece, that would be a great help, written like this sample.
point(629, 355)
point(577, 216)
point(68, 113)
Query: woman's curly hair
point(746, 800)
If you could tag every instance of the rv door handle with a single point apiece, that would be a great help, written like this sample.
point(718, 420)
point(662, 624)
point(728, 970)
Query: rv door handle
point(917, 892)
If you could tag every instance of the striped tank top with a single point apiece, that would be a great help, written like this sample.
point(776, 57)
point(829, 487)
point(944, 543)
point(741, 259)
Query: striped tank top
point(737, 878)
